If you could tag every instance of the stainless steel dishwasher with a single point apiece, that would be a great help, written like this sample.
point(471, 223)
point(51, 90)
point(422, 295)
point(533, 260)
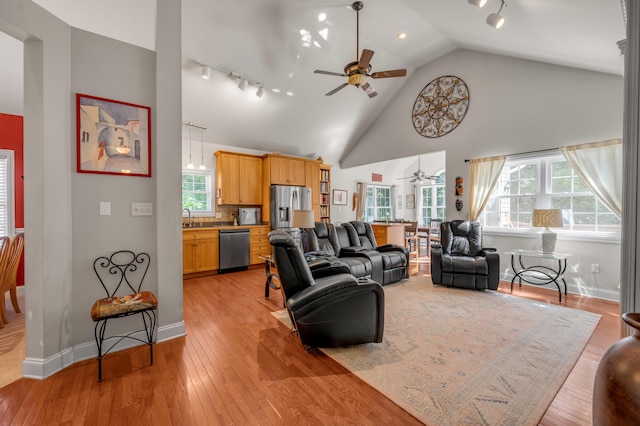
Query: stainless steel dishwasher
point(234, 249)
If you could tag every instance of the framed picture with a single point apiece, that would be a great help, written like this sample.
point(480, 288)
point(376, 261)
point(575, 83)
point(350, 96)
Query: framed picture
point(340, 197)
point(411, 198)
point(113, 137)
point(411, 205)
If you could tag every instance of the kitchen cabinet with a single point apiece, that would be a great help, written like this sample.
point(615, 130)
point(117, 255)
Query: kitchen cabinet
point(238, 179)
point(260, 245)
point(311, 176)
point(199, 250)
point(285, 170)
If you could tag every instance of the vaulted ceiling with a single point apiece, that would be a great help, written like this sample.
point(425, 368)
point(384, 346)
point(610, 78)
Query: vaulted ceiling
point(281, 42)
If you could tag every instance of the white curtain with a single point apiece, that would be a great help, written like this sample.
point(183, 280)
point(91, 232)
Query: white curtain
point(599, 164)
point(362, 198)
point(419, 203)
point(484, 176)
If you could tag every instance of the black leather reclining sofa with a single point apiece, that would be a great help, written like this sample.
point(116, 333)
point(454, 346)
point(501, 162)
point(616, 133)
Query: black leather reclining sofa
point(385, 264)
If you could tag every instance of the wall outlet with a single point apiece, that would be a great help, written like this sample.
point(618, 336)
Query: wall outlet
point(141, 209)
point(595, 267)
point(218, 215)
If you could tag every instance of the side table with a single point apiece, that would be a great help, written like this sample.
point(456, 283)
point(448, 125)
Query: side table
point(539, 274)
point(268, 261)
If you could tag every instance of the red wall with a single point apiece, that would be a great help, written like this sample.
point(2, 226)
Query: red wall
point(11, 137)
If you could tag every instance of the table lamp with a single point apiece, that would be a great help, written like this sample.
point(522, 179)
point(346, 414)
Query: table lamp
point(304, 220)
point(547, 218)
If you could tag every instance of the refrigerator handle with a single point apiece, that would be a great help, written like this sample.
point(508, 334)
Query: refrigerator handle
point(295, 204)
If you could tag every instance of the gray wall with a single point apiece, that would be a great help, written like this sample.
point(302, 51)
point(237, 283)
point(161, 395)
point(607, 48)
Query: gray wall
point(63, 231)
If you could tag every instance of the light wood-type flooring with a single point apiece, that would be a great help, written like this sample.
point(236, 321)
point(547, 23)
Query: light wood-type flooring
point(238, 365)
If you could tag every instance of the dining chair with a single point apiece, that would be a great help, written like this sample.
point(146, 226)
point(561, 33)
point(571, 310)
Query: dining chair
point(10, 262)
point(4, 255)
point(434, 232)
point(411, 239)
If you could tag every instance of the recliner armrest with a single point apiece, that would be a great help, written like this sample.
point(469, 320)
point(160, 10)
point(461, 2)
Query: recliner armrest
point(389, 247)
point(332, 269)
point(322, 287)
point(318, 264)
point(345, 251)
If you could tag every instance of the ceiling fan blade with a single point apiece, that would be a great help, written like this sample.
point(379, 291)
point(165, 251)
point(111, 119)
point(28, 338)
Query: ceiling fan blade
point(365, 58)
point(389, 73)
point(329, 73)
point(370, 91)
point(342, 86)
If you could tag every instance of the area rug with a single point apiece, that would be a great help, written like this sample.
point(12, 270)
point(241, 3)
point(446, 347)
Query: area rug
point(453, 356)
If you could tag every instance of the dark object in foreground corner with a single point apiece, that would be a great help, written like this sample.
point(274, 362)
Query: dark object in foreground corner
point(330, 307)
point(616, 388)
point(123, 271)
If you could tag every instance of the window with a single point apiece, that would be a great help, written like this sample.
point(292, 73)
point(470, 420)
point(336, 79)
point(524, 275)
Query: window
point(6, 193)
point(196, 191)
point(378, 203)
point(545, 182)
point(433, 201)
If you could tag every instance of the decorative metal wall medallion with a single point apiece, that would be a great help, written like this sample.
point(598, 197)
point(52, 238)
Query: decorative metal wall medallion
point(440, 106)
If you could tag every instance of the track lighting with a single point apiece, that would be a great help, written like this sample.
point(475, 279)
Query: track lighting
point(243, 81)
point(205, 72)
point(479, 3)
point(495, 19)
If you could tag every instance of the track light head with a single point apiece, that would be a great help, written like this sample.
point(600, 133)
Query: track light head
point(205, 72)
point(479, 3)
point(260, 91)
point(495, 20)
point(243, 84)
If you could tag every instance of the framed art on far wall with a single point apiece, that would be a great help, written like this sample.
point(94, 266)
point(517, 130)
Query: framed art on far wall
point(113, 137)
point(340, 197)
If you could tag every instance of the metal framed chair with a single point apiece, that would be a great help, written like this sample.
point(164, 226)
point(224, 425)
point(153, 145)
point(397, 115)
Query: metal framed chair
point(123, 272)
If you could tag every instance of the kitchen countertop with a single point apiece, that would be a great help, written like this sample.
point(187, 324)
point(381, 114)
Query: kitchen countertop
point(213, 225)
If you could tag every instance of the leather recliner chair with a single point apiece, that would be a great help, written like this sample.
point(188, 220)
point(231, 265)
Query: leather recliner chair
point(329, 240)
point(395, 259)
point(332, 309)
point(461, 261)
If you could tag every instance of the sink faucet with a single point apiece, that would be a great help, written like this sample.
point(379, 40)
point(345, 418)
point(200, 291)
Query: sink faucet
point(190, 222)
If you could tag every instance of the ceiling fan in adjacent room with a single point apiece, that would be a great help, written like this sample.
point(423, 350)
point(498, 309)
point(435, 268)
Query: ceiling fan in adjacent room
point(419, 177)
point(358, 71)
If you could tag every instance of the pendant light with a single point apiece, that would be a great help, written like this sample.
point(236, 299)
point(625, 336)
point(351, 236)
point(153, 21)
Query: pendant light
point(202, 166)
point(190, 164)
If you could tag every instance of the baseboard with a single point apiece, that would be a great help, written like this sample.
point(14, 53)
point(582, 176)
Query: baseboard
point(40, 369)
point(574, 288)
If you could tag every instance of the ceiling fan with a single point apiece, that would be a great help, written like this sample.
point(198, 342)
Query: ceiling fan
point(359, 70)
point(418, 177)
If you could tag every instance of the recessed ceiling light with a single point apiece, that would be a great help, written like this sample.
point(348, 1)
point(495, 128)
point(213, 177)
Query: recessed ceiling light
point(322, 16)
point(275, 90)
point(289, 93)
point(402, 36)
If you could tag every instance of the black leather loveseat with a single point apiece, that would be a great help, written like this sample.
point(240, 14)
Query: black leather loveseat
point(461, 260)
point(385, 264)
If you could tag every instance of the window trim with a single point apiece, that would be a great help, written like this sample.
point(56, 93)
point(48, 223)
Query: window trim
point(10, 170)
point(375, 208)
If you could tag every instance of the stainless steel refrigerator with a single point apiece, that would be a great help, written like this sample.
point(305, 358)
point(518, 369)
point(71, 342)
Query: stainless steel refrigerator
point(286, 199)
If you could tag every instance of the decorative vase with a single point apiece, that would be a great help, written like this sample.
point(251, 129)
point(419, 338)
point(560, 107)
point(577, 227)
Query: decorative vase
point(616, 390)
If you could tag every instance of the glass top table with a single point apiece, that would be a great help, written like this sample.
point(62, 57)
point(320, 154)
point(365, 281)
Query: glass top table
point(536, 273)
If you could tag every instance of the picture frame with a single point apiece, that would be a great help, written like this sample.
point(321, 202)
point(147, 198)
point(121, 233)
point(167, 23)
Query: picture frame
point(113, 137)
point(340, 197)
point(411, 198)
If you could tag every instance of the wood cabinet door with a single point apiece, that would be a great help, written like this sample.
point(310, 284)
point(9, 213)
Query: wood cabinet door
point(296, 172)
point(279, 174)
point(188, 256)
point(250, 180)
point(227, 174)
point(206, 254)
point(312, 180)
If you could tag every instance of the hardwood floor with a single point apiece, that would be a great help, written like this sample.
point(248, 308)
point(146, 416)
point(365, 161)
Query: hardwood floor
point(238, 365)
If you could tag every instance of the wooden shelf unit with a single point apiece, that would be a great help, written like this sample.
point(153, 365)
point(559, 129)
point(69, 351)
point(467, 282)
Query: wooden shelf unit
point(325, 193)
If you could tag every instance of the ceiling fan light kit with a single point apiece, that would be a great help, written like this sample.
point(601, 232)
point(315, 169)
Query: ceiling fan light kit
point(358, 71)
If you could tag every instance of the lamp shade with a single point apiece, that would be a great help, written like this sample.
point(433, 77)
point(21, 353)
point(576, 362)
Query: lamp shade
point(303, 219)
point(547, 218)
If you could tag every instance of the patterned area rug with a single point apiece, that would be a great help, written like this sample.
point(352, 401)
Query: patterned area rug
point(453, 356)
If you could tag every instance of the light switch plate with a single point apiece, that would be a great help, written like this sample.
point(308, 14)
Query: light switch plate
point(105, 208)
point(141, 209)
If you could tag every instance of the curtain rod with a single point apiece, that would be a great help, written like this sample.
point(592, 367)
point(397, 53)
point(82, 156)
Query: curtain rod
point(525, 153)
point(190, 124)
